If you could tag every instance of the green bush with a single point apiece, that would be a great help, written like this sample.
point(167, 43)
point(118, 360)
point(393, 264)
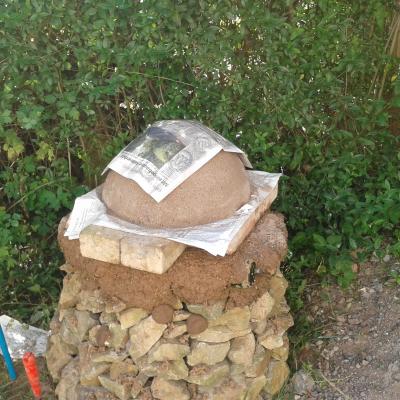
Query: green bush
point(304, 87)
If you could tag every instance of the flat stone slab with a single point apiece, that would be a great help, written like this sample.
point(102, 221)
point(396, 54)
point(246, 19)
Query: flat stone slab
point(135, 251)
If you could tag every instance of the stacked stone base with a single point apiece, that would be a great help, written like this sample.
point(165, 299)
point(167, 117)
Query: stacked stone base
point(101, 347)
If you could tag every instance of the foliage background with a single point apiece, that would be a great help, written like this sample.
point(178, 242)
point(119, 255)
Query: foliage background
point(309, 88)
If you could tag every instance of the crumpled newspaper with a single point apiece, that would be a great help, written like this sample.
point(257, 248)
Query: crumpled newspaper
point(214, 237)
point(22, 338)
point(169, 152)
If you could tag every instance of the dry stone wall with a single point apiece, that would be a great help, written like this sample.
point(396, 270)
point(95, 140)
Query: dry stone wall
point(103, 347)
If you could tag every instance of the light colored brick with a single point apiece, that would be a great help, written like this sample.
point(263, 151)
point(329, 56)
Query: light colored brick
point(149, 254)
point(101, 243)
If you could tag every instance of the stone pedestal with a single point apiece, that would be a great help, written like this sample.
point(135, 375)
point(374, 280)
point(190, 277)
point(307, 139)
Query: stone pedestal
point(208, 328)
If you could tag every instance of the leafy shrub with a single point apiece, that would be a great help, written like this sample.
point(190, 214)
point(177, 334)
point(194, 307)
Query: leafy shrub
point(304, 87)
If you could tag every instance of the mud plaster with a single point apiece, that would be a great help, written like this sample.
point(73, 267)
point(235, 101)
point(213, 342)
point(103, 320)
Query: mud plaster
point(196, 277)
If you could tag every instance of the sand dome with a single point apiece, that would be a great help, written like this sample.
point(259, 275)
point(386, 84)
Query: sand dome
point(213, 192)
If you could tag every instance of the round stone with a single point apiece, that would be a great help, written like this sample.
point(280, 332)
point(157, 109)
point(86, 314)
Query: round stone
point(196, 324)
point(163, 314)
point(212, 193)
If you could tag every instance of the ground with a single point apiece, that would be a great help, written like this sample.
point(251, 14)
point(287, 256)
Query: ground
point(354, 355)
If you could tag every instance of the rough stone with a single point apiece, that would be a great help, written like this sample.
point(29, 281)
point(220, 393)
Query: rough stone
point(302, 383)
point(163, 314)
point(180, 315)
point(277, 373)
point(101, 243)
point(242, 349)
point(90, 371)
point(99, 335)
point(175, 330)
point(67, 387)
point(75, 326)
point(118, 368)
point(119, 336)
point(255, 386)
point(230, 389)
point(196, 324)
point(271, 341)
point(281, 353)
point(236, 319)
point(109, 356)
point(143, 336)
point(137, 384)
point(208, 354)
point(168, 351)
point(163, 389)
point(57, 356)
point(170, 370)
point(208, 311)
point(262, 307)
point(69, 295)
point(283, 323)
point(114, 305)
point(218, 334)
point(121, 390)
point(278, 285)
point(91, 300)
point(107, 318)
point(261, 361)
point(131, 317)
point(208, 375)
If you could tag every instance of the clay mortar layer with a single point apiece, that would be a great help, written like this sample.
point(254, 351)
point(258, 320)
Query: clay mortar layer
point(196, 277)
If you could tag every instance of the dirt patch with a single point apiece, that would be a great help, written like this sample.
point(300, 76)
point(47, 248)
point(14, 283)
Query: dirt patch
point(196, 277)
point(212, 193)
point(357, 354)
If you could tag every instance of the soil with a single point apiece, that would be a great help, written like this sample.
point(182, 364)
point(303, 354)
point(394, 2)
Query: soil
point(357, 353)
point(214, 192)
point(196, 277)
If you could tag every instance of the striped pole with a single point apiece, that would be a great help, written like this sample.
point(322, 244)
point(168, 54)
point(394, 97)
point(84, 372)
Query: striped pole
point(7, 358)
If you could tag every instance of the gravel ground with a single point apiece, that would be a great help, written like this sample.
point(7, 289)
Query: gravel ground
point(357, 354)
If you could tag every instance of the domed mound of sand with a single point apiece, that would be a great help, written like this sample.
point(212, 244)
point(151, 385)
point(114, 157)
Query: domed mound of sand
point(212, 193)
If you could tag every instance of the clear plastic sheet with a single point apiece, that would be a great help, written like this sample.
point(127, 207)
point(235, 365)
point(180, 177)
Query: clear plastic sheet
point(214, 237)
point(167, 153)
point(22, 338)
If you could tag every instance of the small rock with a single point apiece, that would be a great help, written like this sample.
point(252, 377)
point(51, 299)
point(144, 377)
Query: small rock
point(229, 389)
point(114, 305)
point(262, 307)
point(99, 335)
point(131, 317)
point(143, 336)
point(90, 371)
point(137, 384)
point(119, 336)
point(208, 375)
point(122, 367)
point(109, 356)
point(167, 390)
point(281, 353)
point(75, 326)
point(242, 349)
point(209, 312)
point(236, 319)
point(255, 386)
point(91, 300)
point(57, 356)
point(196, 324)
point(67, 387)
point(218, 334)
point(206, 353)
point(278, 286)
point(121, 390)
point(69, 295)
point(168, 351)
point(107, 318)
point(271, 341)
point(277, 373)
point(261, 360)
point(180, 315)
point(163, 314)
point(387, 258)
point(175, 330)
point(302, 383)
point(170, 370)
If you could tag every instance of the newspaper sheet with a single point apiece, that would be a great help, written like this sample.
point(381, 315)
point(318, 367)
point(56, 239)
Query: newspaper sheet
point(214, 237)
point(167, 153)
